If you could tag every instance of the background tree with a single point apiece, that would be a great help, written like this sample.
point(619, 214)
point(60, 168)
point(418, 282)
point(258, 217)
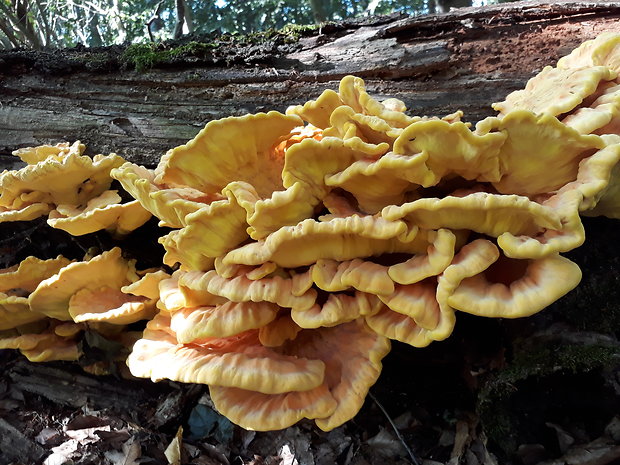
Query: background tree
point(66, 23)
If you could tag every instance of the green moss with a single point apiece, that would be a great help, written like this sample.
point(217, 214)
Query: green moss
point(594, 305)
point(289, 34)
point(499, 416)
point(142, 57)
point(98, 61)
point(546, 360)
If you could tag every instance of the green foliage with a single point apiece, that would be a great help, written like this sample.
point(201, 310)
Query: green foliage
point(142, 57)
point(62, 23)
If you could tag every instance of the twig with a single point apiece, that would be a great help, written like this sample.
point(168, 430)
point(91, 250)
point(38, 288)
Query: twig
point(412, 456)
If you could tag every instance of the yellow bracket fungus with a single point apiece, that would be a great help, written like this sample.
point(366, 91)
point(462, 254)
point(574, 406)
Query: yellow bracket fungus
point(306, 241)
point(53, 296)
point(17, 283)
point(555, 91)
point(102, 212)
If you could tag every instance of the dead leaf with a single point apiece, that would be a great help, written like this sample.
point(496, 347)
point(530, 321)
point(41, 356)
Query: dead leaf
point(86, 421)
point(479, 447)
point(598, 452)
point(9, 404)
point(612, 430)
point(173, 451)
point(48, 437)
point(86, 435)
point(461, 439)
point(565, 440)
point(129, 455)
point(336, 443)
point(246, 438)
point(286, 456)
point(387, 445)
point(531, 454)
point(62, 453)
point(116, 439)
point(215, 453)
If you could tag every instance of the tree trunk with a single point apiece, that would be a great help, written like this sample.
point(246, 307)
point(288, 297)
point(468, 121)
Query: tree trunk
point(443, 6)
point(465, 59)
point(437, 64)
point(318, 11)
point(180, 18)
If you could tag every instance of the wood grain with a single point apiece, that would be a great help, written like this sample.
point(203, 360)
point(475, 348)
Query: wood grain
point(437, 64)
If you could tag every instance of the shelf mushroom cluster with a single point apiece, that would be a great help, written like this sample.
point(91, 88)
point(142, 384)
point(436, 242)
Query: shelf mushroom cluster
point(47, 305)
point(69, 187)
point(307, 240)
point(304, 242)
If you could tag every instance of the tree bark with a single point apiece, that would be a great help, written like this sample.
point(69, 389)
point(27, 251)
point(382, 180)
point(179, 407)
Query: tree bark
point(437, 64)
point(180, 19)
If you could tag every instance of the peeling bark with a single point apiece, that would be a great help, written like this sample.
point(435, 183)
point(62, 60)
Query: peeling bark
point(437, 64)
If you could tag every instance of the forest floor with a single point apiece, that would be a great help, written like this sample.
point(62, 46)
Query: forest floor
point(539, 390)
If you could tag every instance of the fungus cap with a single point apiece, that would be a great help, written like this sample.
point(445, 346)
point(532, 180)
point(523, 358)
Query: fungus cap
point(278, 331)
point(208, 232)
point(604, 50)
point(52, 296)
point(385, 181)
point(228, 319)
point(317, 112)
point(110, 305)
point(230, 149)
point(238, 361)
point(18, 282)
point(337, 239)
point(170, 205)
point(278, 290)
point(540, 154)
point(350, 371)
point(73, 180)
point(542, 282)
point(256, 411)
point(337, 309)
point(102, 212)
point(452, 148)
point(555, 91)
point(485, 213)
point(34, 155)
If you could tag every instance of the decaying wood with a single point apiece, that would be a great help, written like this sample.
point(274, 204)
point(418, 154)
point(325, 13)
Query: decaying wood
point(465, 59)
point(75, 390)
point(14, 445)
